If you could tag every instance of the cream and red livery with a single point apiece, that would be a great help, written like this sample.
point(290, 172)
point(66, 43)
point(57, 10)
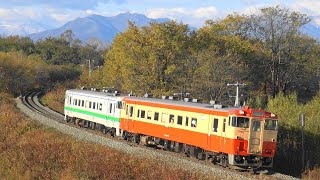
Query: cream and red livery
point(238, 136)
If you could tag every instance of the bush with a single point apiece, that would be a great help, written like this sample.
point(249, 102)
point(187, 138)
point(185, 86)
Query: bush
point(288, 157)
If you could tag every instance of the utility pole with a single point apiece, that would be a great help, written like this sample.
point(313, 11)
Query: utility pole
point(302, 122)
point(90, 66)
point(236, 102)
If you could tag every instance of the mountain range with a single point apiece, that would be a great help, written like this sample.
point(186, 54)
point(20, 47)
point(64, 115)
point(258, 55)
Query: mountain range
point(98, 27)
point(102, 28)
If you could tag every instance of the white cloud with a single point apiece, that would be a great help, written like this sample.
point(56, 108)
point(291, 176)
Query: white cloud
point(310, 6)
point(250, 10)
point(65, 4)
point(13, 14)
point(206, 12)
point(194, 17)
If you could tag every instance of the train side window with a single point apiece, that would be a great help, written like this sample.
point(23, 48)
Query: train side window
point(119, 105)
point(127, 109)
point(229, 120)
point(131, 111)
point(171, 118)
point(90, 103)
point(149, 114)
point(79, 102)
point(156, 116)
point(224, 125)
point(138, 113)
point(100, 106)
point(94, 105)
point(110, 110)
point(163, 118)
point(143, 113)
point(215, 125)
point(194, 122)
point(114, 108)
point(82, 103)
point(70, 102)
point(187, 121)
point(179, 121)
point(75, 102)
point(240, 122)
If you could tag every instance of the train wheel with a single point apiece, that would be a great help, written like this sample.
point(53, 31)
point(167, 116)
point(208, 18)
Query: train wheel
point(77, 122)
point(172, 146)
point(177, 147)
point(67, 119)
point(136, 138)
point(224, 160)
point(185, 150)
point(112, 133)
point(166, 144)
point(192, 151)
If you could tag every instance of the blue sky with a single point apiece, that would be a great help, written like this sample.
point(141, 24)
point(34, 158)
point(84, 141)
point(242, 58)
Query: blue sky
point(54, 13)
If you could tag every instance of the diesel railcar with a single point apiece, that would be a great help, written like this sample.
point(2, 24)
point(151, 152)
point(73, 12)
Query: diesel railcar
point(240, 137)
point(92, 108)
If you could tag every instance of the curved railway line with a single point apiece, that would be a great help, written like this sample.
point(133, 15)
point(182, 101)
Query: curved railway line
point(31, 100)
point(30, 104)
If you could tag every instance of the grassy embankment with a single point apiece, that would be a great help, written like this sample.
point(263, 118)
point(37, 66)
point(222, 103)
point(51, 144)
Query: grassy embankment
point(29, 150)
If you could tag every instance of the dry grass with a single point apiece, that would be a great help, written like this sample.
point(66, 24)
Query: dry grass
point(55, 99)
point(312, 174)
point(30, 151)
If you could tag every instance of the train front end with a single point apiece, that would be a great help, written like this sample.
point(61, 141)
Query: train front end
point(255, 132)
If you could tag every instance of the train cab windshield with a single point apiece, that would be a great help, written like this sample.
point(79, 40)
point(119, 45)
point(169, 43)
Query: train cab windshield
point(271, 124)
point(242, 122)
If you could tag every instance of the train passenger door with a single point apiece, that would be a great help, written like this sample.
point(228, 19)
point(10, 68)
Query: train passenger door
point(165, 122)
point(130, 120)
point(223, 136)
point(255, 143)
point(68, 104)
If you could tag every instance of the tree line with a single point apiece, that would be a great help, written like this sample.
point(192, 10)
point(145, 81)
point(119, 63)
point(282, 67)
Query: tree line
point(267, 51)
point(25, 64)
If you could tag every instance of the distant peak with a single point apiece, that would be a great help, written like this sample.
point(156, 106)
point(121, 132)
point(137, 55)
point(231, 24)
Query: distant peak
point(126, 14)
point(95, 15)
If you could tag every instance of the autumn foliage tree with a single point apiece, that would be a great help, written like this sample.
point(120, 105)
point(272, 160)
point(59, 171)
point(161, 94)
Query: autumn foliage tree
point(149, 59)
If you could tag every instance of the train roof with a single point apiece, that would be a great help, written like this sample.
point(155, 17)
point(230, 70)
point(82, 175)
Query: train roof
point(98, 94)
point(174, 104)
point(200, 107)
point(204, 106)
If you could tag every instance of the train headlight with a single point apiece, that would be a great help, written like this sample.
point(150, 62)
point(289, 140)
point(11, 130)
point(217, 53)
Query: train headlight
point(268, 151)
point(241, 112)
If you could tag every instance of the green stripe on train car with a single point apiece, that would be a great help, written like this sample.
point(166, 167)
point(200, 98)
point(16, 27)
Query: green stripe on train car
point(110, 118)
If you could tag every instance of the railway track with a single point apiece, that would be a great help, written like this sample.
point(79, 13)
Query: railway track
point(30, 104)
point(31, 100)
